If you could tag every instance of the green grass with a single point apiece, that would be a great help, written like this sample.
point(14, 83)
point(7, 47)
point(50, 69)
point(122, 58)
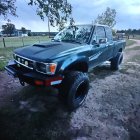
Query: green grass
point(22, 41)
point(5, 56)
point(13, 43)
point(130, 42)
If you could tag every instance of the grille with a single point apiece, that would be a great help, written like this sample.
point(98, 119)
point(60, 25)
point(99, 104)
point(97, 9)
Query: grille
point(24, 61)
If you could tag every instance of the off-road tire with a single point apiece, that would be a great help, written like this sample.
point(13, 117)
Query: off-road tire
point(116, 61)
point(74, 89)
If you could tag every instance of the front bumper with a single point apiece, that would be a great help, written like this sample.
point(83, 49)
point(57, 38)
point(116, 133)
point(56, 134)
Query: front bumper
point(32, 77)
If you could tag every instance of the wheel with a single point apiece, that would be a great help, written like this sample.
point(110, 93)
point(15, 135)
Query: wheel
point(116, 61)
point(74, 89)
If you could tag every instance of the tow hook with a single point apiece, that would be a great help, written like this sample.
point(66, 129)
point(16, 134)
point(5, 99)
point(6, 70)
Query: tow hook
point(22, 82)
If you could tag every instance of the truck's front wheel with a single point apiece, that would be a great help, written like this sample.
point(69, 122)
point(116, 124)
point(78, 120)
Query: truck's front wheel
point(74, 89)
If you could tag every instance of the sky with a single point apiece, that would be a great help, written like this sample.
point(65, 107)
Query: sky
point(84, 12)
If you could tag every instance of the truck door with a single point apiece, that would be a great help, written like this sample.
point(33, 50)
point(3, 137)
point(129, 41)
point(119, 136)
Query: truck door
point(99, 49)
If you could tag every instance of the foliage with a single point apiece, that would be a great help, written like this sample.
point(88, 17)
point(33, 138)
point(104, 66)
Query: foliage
point(54, 10)
point(130, 31)
point(23, 29)
point(5, 55)
point(7, 7)
point(107, 18)
point(113, 32)
point(61, 25)
point(72, 22)
point(29, 34)
point(8, 29)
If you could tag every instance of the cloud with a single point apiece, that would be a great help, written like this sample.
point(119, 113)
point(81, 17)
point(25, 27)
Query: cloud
point(128, 11)
point(84, 11)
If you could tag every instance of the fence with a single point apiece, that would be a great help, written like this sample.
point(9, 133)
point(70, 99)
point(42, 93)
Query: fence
point(21, 41)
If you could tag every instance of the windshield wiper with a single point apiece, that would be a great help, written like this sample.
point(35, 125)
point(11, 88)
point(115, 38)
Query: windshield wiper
point(71, 41)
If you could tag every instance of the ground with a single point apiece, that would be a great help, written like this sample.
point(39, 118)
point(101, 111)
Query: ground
point(111, 110)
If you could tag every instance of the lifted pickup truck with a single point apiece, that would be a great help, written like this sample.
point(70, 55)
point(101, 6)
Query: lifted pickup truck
point(66, 59)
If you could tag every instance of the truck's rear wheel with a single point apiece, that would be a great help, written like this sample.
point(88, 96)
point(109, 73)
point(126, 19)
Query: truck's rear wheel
point(74, 89)
point(116, 61)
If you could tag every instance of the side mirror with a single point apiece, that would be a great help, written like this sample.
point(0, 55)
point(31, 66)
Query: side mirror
point(103, 40)
point(94, 42)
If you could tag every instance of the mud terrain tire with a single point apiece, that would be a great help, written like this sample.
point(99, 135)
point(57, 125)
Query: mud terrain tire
point(74, 89)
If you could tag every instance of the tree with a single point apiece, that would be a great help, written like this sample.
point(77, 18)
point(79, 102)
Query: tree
point(7, 7)
point(54, 10)
point(107, 18)
point(29, 34)
point(23, 29)
point(8, 29)
point(72, 22)
point(61, 24)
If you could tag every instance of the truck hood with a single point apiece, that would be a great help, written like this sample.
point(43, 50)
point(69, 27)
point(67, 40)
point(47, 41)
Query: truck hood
point(46, 51)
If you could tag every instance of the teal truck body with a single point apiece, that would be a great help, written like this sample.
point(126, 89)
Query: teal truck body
point(73, 52)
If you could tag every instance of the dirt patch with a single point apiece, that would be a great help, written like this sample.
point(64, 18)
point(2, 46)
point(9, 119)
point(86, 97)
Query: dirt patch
point(111, 110)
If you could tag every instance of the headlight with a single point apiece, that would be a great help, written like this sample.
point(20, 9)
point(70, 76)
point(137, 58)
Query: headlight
point(46, 68)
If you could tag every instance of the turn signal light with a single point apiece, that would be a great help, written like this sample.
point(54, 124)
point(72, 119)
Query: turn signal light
point(52, 68)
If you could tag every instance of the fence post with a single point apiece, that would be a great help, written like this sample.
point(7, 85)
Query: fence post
point(4, 43)
point(22, 41)
point(38, 39)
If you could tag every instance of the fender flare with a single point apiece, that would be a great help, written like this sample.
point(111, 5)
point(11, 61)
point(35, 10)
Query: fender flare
point(72, 61)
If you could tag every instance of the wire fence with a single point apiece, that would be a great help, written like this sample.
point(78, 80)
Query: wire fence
point(6, 42)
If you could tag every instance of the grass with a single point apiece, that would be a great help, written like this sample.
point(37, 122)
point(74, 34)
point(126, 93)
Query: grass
point(130, 42)
point(5, 56)
point(15, 42)
point(22, 41)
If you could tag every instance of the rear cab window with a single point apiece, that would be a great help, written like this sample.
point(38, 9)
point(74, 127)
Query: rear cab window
point(99, 33)
point(108, 34)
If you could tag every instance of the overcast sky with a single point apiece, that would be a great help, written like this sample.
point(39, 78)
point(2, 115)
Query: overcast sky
point(84, 11)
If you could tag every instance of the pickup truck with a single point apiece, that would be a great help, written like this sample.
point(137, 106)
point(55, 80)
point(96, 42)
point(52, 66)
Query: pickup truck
point(65, 60)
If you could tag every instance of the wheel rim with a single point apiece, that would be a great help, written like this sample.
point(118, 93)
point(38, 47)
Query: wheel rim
point(81, 92)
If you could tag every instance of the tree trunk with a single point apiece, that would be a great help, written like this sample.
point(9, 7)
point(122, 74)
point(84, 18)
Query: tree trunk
point(49, 27)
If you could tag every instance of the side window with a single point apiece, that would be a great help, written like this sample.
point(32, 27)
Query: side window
point(108, 34)
point(100, 33)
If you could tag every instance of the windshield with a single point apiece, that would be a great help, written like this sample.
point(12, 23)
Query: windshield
point(79, 34)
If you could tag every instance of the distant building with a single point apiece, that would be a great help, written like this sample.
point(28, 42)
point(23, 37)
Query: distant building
point(18, 32)
point(120, 35)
